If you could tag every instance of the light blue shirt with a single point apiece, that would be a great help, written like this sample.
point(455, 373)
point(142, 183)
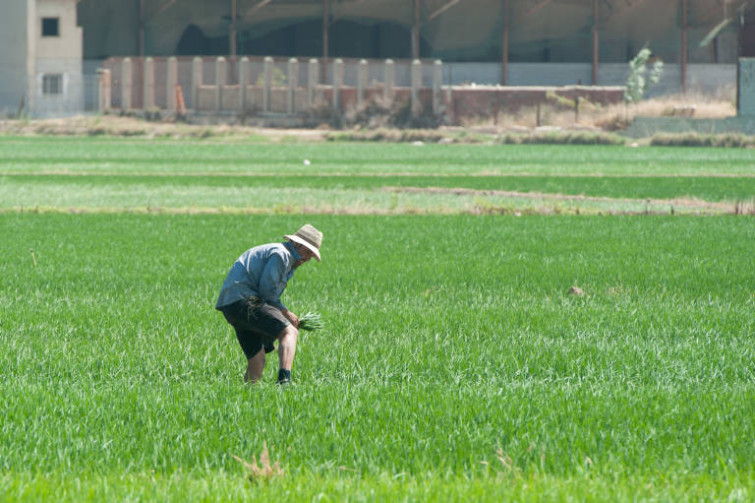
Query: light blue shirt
point(262, 271)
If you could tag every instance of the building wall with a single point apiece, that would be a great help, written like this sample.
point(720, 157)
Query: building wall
point(58, 55)
point(13, 48)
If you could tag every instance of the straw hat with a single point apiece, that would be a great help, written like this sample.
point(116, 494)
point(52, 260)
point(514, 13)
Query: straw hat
point(309, 237)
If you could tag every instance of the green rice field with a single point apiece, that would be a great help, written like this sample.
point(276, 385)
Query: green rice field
point(456, 363)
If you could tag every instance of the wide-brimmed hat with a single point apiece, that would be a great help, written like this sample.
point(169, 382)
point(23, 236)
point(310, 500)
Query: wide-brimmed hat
point(309, 237)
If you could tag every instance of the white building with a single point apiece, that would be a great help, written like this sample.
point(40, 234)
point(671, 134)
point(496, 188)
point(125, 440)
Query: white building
point(41, 51)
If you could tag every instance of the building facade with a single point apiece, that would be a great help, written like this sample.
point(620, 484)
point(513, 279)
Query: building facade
point(41, 58)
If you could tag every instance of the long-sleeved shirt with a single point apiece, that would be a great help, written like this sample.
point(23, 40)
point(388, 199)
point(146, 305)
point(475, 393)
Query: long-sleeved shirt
point(262, 271)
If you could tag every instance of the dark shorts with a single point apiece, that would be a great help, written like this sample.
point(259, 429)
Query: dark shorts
point(257, 324)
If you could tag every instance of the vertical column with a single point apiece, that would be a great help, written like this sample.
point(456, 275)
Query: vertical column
point(196, 82)
point(243, 81)
point(105, 90)
point(170, 84)
point(142, 22)
point(505, 43)
point(416, 85)
point(219, 83)
point(437, 84)
point(232, 31)
point(684, 46)
point(126, 83)
point(337, 82)
point(325, 38)
point(595, 42)
point(293, 83)
point(149, 84)
point(267, 76)
point(361, 81)
point(390, 79)
point(312, 79)
point(415, 31)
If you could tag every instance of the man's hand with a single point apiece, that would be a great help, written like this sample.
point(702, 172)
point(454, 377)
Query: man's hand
point(291, 317)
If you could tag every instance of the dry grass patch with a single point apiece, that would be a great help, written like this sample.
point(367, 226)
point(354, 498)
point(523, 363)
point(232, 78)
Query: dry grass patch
point(264, 471)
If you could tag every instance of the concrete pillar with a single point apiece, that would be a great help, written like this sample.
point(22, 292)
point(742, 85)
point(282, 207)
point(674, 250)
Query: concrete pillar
point(149, 84)
point(390, 79)
point(416, 86)
point(337, 82)
point(267, 82)
point(361, 81)
point(105, 90)
point(244, 72)
point(437, 84)
point(196, 82)
point(219, 82)
point(293, 83)
point(313, 78)
point(171, 82)
point(127, 78)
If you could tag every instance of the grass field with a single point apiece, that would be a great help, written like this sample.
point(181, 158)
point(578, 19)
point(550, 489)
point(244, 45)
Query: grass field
point(455, 365)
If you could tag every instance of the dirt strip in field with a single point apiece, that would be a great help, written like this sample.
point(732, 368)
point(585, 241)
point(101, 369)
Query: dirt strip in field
point(713, 207)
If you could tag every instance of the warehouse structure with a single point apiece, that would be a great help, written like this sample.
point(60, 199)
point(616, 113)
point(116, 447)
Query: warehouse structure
point(491, 42)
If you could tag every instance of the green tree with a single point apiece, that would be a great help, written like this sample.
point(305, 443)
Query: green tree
point(641, 77)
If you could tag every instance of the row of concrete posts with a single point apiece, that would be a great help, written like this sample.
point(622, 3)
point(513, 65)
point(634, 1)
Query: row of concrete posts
point(221, 97)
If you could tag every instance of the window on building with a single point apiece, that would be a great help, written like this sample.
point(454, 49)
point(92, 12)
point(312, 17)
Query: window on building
point(50, 27)
point(52, 83)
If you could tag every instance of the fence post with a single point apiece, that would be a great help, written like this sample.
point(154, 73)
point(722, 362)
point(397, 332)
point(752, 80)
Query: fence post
point(267, 78)
point(149, 84)
point(105, 91)
point(313, 77)
point(416, 85)
point(437, 84)
point(196, 82)
point(219, 83)
point(170, 83)
point(126, 82)
point(337, 82)
point(361, 81)
point(293, 83)
point(390, 79)
point(243, 81)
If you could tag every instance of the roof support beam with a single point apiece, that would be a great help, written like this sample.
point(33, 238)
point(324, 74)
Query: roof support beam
point(232, 30)
point(257, 7)
point(684, 46)
point(443, 9)
point(505, 13)
point(537, 7)
point(325, 39)
point(142, 22)
point(595, 42)
point(415, 31)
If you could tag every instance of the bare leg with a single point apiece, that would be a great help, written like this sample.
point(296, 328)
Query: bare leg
point(255, 367)
point(287, 347)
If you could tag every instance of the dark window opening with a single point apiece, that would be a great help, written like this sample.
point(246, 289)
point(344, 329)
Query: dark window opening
point(52, 83)
point(50, 27)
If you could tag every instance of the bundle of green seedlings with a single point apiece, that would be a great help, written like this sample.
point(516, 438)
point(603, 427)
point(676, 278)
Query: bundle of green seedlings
point(311, 321)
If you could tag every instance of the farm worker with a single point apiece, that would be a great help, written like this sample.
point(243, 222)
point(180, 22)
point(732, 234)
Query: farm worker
point(250, 300)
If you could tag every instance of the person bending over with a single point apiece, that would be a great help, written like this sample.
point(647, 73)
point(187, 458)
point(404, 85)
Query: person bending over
point(250, 300)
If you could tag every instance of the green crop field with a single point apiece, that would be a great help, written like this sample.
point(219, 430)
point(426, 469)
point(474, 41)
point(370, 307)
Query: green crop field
point(455, 365)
